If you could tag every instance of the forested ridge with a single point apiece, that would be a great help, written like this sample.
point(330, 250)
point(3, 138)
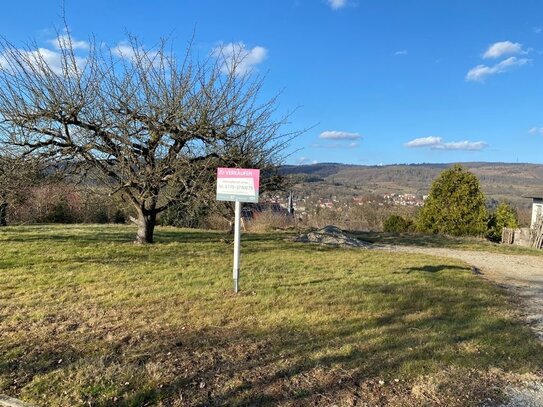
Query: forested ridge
point(499, 180)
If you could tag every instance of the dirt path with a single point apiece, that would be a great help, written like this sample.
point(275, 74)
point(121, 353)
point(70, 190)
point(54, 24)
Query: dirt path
point(523, 275)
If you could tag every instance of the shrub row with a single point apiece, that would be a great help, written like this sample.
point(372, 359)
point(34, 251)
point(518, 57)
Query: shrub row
point(65, 203)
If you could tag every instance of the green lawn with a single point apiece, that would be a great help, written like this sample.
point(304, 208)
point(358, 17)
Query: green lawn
point(89, 319)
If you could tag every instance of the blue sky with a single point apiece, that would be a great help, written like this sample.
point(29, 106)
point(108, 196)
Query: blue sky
point(376, 81)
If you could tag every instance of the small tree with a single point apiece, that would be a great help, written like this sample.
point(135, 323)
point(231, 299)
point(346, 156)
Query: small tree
point(504, 217)
point(147, 125)
point(455, 205)
point(397, 224)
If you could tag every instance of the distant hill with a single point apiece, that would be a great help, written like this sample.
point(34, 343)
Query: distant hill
point(499, 180)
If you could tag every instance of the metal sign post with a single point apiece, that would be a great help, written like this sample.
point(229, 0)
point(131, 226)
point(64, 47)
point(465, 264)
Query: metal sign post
point(237, 239)
point(239, 185)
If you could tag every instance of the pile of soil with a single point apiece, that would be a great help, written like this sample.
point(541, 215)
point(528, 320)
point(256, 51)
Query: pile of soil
point(332, 236)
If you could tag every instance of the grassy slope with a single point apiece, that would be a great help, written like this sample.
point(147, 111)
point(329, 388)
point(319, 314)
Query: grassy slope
point(87, 318)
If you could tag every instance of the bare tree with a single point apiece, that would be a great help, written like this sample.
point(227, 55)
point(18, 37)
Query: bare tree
point(150, 126)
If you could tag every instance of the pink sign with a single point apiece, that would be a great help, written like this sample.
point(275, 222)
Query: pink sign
point(238, 184)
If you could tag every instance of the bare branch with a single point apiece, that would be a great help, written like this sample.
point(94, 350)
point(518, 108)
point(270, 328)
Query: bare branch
point(147, 125)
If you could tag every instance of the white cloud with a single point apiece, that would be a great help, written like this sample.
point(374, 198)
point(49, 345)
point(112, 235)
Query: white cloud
point(424, 142)
point(535, 131)
point(124, 50)
point(43, 56)
point(237, 58)
point(437, 143)
point(339, 135)
point(353, 144)
point(499, 49)
point(481, 72)
point(336, 4)
point(52, 58)
point(401, 52)
point(538, 30)
point(64, 41)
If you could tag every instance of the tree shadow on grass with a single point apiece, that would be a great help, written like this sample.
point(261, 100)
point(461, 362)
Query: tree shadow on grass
point(306, 364)
point(311, 367)
point(434, 269)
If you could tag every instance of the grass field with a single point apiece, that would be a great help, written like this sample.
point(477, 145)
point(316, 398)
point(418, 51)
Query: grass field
point(89, 319)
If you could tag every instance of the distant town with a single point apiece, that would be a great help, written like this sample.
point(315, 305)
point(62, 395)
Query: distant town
point(304, 205)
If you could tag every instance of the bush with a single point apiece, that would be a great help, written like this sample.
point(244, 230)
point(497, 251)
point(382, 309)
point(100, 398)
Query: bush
point(66, 203)
point(61, 212)
point(397, 224)
point(455, 205)
point(504, 217)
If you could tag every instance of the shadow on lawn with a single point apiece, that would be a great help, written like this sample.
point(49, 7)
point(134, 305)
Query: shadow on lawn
point(307, 364)
point(320, 364)
point(434, 269)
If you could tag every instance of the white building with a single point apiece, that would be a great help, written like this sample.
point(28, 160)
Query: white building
point(537, 206)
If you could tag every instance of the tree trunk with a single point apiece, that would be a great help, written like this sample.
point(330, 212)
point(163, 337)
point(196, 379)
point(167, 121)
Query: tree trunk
point(3, 214)
point(146, 226)
point(230, 227)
